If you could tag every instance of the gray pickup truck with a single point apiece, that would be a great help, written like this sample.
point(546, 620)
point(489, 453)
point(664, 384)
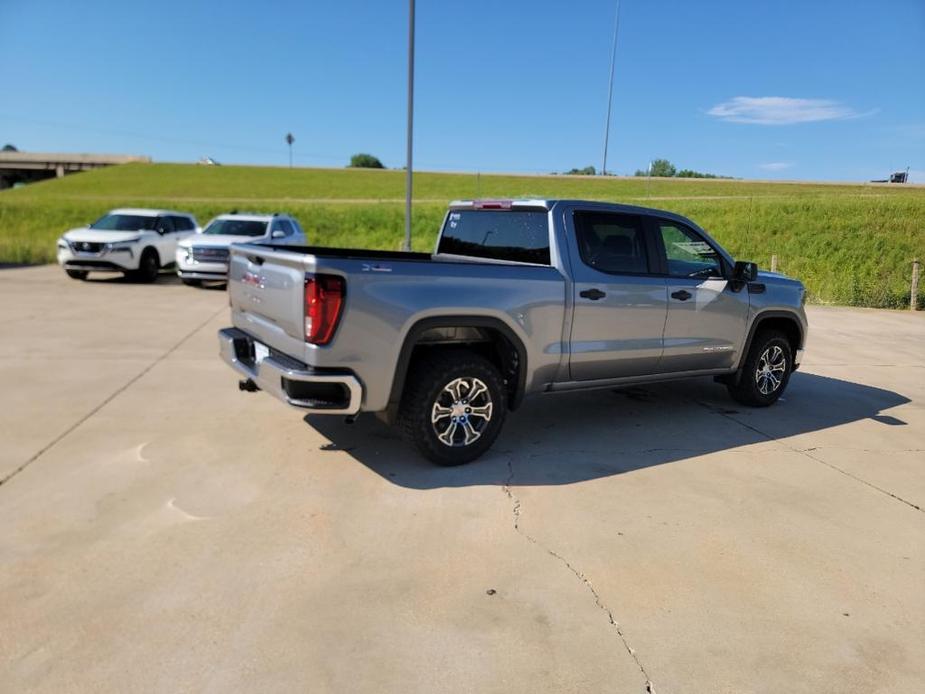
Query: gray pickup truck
point(520, 297)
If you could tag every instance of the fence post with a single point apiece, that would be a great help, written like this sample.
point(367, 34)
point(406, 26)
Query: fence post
point(774, 263)
point(914, 294)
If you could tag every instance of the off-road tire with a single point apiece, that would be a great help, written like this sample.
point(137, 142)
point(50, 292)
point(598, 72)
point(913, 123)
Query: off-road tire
point(77, 274)
point(426, 383)
point(149, 266)
point(748, 389)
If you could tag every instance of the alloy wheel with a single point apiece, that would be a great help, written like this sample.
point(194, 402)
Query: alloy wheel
point(461, 412)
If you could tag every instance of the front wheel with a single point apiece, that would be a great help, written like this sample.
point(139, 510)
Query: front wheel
point(77, 274)
point(453, 407)
point(190, 282)
point(149, 266)
point(766, 371)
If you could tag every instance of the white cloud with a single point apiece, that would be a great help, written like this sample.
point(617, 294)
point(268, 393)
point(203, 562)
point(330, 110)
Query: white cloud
point(776, 165)
point(781, 110)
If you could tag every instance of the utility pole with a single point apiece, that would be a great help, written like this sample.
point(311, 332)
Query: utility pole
point(289, 140)
point(613, 58)
point(408, 170)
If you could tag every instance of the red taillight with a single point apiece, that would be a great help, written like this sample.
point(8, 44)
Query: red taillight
point(324, 299)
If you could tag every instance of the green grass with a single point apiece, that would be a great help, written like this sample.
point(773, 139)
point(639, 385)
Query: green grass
point(850, 244)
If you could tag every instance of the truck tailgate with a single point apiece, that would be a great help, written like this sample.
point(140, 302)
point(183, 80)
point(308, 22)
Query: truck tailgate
point(266, 292)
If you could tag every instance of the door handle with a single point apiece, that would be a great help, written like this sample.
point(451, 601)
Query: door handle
point(681, 294)
point(593, 294)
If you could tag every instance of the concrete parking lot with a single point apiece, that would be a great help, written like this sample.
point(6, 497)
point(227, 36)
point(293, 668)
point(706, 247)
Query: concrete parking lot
point(160, 531)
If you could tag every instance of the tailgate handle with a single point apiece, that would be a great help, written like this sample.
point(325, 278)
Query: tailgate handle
point(593, 294)
point(255, 259)
point(682, 295)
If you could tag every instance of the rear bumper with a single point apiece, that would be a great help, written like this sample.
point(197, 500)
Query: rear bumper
point(294, 383)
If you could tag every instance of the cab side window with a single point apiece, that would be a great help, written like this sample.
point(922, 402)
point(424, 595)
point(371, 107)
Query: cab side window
point(612, 242)
point(687, 253)
point(182, 223)
point(165, 225)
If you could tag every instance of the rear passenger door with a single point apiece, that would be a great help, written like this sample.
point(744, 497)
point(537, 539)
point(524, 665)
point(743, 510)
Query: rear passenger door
point(706, 312)
point(619, 301)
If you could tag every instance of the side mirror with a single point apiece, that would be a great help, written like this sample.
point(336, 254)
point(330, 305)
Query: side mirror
point(745, 271)
point(278, 234)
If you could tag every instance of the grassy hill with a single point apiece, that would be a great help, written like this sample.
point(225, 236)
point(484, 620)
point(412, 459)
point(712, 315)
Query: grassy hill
point(850, 244)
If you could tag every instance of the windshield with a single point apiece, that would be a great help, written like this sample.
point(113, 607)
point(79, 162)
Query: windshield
point(124, 222)
point(236, 227)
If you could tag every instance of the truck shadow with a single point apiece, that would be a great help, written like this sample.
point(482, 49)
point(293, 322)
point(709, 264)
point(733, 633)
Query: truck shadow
point(562, 439)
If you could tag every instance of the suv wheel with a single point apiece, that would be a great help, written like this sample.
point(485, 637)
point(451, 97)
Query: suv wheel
point(148, 267)
point(453, 407)
point(766, 371)
point(190, 282)
point(77, 274)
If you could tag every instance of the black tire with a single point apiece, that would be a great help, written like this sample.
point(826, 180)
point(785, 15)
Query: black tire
point(77, 274)
point(429, 382)
point(190, 282)
point(148, 267)
point(756, 387)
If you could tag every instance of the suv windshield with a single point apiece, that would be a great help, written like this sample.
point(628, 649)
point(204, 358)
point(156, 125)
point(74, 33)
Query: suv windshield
point(124, 222)
point(236, 227)
point(518, 235)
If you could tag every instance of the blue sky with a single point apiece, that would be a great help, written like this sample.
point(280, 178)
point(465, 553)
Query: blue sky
point(798, 90)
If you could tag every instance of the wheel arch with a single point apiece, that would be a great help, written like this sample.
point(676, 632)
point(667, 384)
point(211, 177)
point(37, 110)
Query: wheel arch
point(785, 321)
point(149, 249)
point(502, 345)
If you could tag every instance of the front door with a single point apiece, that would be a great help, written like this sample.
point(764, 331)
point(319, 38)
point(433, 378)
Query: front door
point(707, 313)
point(619, 304)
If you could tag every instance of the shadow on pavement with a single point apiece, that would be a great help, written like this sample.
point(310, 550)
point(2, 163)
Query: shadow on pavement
point(166, 278)
point(562, 439)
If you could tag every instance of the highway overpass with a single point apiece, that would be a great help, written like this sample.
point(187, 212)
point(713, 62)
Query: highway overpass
point(25, 167)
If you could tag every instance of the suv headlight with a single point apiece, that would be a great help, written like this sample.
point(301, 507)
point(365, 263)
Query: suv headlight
point(121, 246)
point(62, 243)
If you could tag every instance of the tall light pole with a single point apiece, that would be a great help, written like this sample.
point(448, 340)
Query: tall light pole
point(289, 140)
point(408, 174)
point(613, 58)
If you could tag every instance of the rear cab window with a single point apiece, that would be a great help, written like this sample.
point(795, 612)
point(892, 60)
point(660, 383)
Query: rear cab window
point(612, 242)
point(516, 235)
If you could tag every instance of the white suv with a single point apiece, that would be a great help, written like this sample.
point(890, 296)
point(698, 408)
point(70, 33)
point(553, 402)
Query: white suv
point(136, 242)
point(204, 256)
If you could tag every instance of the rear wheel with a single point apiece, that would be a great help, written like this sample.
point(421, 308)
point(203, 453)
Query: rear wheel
point(148, 267)
point(453, 407)
point(766, 371)
point(77, 274)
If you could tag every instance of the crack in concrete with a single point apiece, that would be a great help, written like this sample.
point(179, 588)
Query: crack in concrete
point(112, 396)
point(807, 454)
point(650, 688)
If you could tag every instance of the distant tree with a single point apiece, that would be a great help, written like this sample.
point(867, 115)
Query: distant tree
point(365, 161)
point(9, 148)
point(688, 173)
point(587, 171)
point(665, 169)
point(662, 168)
